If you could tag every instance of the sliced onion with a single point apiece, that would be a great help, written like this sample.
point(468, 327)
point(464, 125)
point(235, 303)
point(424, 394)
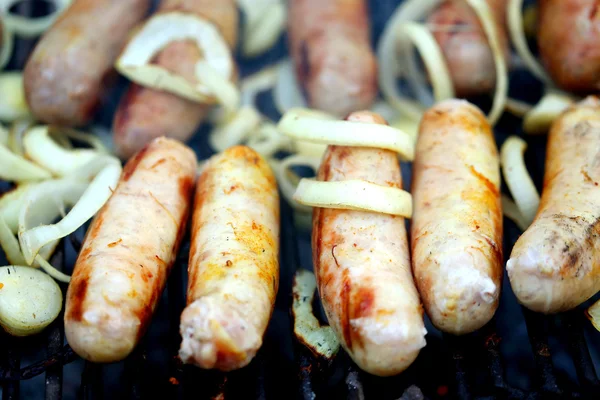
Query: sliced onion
point(263, 26)
point(10, 206)
point(308, 149)
point(441, 81)
point(17, 132)
point(296, 124)
point(356, 195)
point(12, 99)
point(490, 28)
point(10, 245)
point(593, 313)
point(86, 201)
point(262, 80)
point(30, 300)
point(539, 119)
point(288, 180)
point(512, 212)
point(407, 125)
point(159, 31)
point(267, 141)
point(51, 270)
point(236, 130)
point(517, 35)
point(388, 58)
point(320, 340)
point(66, 134)
point(517, 108)
point(8, 44)
point(44, 151)
point(517, 178)
point(221, 86)
point(17, 168)
point(27, 26)
point(287, 93)
point(4, 135)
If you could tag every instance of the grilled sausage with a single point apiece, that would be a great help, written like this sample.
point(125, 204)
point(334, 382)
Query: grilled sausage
point(568, 32)
point(128, 252)
point(456, 230)
point(233, 268)
point(362, 265)
point(65, 77)
point(330, 46)
point(145, 113)
point(465, 46)
point(555, 264)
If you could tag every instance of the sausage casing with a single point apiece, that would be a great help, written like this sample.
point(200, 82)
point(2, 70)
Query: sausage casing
point(465, 46)
point(456, 230)
point(555, 264)
point(233, 268)
point(66, 75)
point(331, 49)
point(144, 113)
point(568, 32)
point(362, 265)
point(128, 252)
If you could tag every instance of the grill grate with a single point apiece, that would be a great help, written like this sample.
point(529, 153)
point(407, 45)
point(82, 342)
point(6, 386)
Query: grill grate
point(476, 368)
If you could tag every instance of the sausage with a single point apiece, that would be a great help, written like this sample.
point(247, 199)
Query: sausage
point(456, 230)
point(128, 252)
point(466, 48)
point(66, 75)
point(568, 32)
point(144, 113)
point(331, 49)
point(555, 264)
point(362, 265)
point(233, 266)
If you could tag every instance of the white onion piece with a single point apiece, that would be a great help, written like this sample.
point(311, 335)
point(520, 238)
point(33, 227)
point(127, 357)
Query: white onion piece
point(222, 88)
point(159, 31)
point(512, 212)
point(12, 97)
point(486, 18)
point(407, 125)
point(288, 180)
point(86, 204)
point(308, 149)
point(8, 44)
point(287, 93)
point(10, 206)
point(517, 178)
point(260, 81)
point(593, 313)
point(66, 134)
point(17, 132)
point(236, 130)
point(16, 168)
point(27, 26)
point(4, 136)
point(517, 108)
point(10, 245)
point(441, 81)
point(51, 270)
point(320, 340)
point(356, 195)
point(267, 141)
point(539, 119)
point(517, 35)
point(40, 148)
point(296, 124)
point(388, 60)
point(263, 25)
point(29, 300)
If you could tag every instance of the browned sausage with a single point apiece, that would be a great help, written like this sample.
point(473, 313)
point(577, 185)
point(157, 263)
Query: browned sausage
point(65, 77)
point(362, 265)
point(145, 113)
point(464, 44)
point(331, 49)
point(568, 39)
point(128, 252)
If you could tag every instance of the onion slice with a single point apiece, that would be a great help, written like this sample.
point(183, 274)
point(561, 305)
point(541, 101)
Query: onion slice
point(40, 148)
point(27, 26)
point(223, 89)
point(517, 178)
point(287, 93)
point(16, 168)
point(486, 18)
point(512, 212)
point(441, 81)
point(267, 140)
point(517, 108)
point(4, 136)
point(65, 134)
point(10, 206)
point(17, 132)
point(288, 180)
point(262, 80)
point(265, 21)
point(356, 194)
point(320, 340)
point(235, 130)
point(87, 200)
point(517, 35)
point(539, 119)
point(593, 313)
point(8, 43)
point(13, 105)
point(159, 31)
point(302, 126)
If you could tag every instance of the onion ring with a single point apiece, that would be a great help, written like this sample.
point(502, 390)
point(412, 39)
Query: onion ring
point(31, 27)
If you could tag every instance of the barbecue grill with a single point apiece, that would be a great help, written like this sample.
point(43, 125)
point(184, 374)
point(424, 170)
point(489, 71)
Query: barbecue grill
point(518, 355)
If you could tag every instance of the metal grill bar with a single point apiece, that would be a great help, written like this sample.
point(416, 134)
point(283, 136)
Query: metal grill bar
point(10, 389)
point(91, 382)
point(54, 374)
point(461, 381)
point(354, 384)
point(581, 355)
point(135, 367)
